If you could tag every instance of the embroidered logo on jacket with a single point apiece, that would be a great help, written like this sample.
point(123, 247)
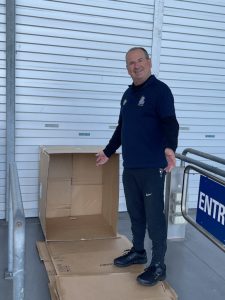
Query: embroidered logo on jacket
point(141, 101)
point(124, 101)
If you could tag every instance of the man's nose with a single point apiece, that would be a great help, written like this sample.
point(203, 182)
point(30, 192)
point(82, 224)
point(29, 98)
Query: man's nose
point(136, 64)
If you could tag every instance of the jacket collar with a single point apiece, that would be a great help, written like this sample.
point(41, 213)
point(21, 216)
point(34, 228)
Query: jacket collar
point(150, 79)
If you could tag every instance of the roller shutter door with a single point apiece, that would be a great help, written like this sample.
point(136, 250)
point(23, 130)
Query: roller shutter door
point(192, 62)
point(70, 75)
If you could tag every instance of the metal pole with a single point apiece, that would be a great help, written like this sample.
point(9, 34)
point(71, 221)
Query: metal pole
point(19, 250)
point(18, 235)
point(9, 272)
point(157, 35)
point(10, 116)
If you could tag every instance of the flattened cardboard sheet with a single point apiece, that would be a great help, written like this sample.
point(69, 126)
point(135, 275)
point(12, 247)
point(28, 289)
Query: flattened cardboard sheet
point(66, 260)
point(116, 286)
point(89, 256)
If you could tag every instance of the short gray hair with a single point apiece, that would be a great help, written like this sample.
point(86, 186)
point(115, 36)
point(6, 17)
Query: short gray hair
point(138, 48)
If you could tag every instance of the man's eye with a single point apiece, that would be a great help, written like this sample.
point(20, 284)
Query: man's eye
point(140, 60)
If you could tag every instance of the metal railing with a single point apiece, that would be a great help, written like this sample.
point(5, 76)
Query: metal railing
point(203, 169)
point(202, 165)
point(204, 155)
point(16, 235)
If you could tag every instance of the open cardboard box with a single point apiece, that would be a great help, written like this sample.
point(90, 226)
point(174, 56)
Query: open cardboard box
point(77, 199)
point(78, 212)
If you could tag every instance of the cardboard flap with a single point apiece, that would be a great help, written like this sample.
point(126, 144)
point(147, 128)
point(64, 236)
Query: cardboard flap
point(53, 292)
point(60, 166)
point(84, 169)
point(88, 200)
point(45, 257)
point(90, 256)
point(70, 149)
point(78, 228)
point(116, 286)
point(43, 251)
point(59, 198)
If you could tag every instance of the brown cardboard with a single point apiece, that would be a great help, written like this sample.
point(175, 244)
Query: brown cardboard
point(78, 213)
point(170, 289)
point(116, 286)
point(89, 256)
point(94, 257)
point(88, 200)
point(77, 199)
point(59, 198)
point(53, 291)
point(82, 163)
point(46, 258)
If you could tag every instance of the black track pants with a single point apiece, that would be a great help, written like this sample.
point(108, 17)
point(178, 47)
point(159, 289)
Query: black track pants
point(145, 204)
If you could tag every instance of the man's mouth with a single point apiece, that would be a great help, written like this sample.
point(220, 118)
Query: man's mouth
point(138, 71)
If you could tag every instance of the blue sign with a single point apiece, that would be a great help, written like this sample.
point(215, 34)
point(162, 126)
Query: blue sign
point(211, 207)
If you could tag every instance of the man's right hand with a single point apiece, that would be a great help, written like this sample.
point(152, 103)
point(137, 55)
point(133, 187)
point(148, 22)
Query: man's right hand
point(101, 158)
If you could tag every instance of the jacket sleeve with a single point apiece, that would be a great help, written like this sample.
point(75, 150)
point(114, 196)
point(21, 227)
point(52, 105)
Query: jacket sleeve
point(115, 141)
point(168, 120)
point(170, 129)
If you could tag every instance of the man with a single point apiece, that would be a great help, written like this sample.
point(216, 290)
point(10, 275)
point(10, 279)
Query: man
point(148, 132)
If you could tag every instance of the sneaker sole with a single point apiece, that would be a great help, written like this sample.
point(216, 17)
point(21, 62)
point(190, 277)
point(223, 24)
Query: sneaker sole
point(142, 282)
point(140, 262)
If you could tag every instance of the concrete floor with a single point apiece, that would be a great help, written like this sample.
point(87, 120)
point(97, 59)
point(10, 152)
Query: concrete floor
point(195, 267)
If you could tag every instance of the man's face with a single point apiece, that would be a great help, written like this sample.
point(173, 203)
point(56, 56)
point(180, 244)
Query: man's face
point(138, 66)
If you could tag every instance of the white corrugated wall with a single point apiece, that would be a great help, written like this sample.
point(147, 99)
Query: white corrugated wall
point(2, 105)
point(70, 75)
point(192, 62)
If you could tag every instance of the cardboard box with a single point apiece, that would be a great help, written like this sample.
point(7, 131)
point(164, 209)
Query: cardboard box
point(77, 199)
point(78, 213)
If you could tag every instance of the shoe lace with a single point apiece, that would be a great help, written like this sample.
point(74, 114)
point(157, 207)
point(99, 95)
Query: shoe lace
point(127, 251)
point(155, 268)
point(149, 268)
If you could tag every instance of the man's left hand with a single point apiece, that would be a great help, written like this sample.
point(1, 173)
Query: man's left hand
point(171, 159)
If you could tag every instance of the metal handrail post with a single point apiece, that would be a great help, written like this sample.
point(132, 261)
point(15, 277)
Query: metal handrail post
point(9, 273)
point(19, 250)
point(18, 234)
